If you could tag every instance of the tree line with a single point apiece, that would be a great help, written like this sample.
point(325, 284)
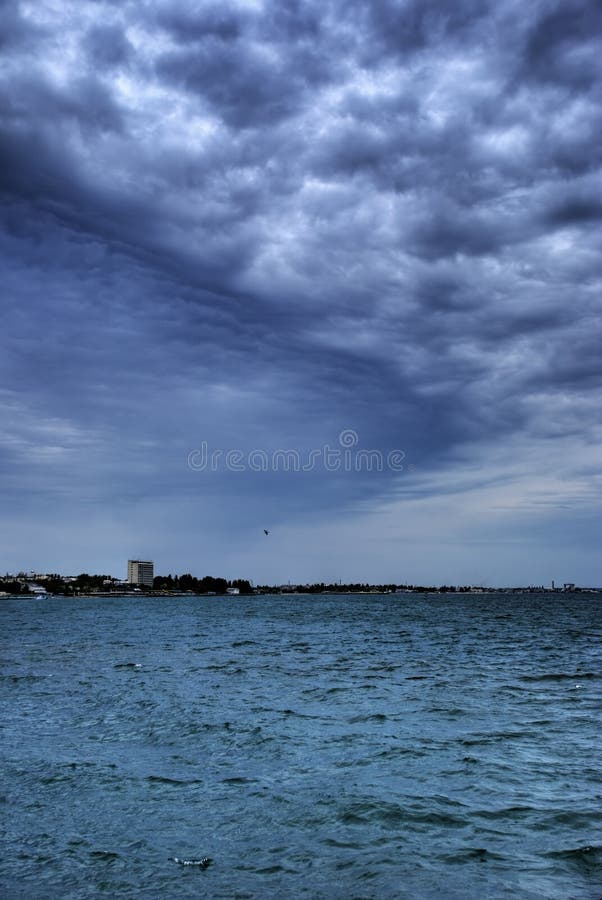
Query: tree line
point(86, 584)
point(206, 585)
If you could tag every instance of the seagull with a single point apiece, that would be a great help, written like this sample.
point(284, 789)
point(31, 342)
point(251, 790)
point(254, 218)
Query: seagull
point(265, 531)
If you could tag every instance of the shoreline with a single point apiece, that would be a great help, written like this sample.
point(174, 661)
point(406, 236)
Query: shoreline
point(431, 593)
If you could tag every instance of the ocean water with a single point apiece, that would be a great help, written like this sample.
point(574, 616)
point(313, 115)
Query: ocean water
point(311, 746)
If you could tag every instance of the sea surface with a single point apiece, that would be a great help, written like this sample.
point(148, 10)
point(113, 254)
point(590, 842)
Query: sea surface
point(398, 746)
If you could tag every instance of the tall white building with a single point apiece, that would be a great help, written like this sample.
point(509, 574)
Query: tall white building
point(140, 572)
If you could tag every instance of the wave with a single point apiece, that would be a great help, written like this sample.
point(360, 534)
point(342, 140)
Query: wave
point(561, 676)
point(108, 855)
point(178, 782)
point(394, 815)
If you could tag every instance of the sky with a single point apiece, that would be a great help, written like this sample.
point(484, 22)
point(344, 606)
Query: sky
point(365, 234)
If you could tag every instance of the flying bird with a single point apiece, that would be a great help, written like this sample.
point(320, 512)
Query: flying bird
point(265, 531)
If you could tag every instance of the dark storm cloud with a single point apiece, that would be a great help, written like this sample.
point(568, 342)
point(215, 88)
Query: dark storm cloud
point(261, 224)
point(85, 101)
point(187, 24)
point(402, 28)
point(15, 30)
point(575, 210)
point(223, 59)
point(560, 47)
point(107, 46)
point(242, 86)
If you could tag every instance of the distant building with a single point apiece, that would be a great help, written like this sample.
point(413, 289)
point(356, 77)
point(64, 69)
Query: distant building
point(233, 590)
point(140, 572)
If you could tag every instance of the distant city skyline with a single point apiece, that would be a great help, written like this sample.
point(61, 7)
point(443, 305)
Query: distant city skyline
point(142, 573)
point(249, 229)
point(141, 578)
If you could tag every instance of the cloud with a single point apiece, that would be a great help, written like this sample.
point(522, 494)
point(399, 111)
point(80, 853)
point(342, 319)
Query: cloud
point(248, 73)
point(559, 49)
point(258, 225)
point(107, 46)
point(15, 31)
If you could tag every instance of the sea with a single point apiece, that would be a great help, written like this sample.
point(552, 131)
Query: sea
point(297, 746)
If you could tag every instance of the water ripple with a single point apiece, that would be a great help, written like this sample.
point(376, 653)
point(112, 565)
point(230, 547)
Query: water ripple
point(324, 748)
